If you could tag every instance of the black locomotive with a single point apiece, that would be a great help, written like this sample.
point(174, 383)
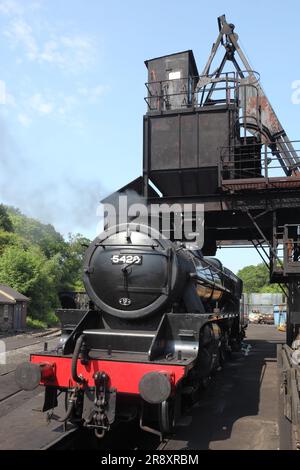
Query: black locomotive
point(161, 317)
point(162, 320)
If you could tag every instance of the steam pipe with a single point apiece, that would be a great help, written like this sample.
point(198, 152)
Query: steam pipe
point(75, 376)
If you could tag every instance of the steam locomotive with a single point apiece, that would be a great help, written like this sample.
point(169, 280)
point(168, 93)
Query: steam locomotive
point(161, 320)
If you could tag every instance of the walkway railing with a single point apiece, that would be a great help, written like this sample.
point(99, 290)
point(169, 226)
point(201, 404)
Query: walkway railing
point(258, 166)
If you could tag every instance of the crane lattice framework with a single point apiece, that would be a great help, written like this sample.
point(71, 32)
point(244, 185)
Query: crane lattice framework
point(214, 138)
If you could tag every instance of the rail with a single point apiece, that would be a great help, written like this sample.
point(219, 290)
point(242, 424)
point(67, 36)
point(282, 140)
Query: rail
point(67, 440)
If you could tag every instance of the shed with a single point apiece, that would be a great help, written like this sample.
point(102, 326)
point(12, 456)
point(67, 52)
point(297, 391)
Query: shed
point(13, 309)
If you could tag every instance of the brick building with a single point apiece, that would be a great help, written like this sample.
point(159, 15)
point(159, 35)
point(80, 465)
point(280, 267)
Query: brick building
point(13, 309)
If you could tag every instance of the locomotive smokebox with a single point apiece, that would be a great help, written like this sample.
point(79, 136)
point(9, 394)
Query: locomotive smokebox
point(130, 273)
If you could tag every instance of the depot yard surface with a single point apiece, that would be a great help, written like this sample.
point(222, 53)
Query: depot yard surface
point(19, 424)
point(239, 410)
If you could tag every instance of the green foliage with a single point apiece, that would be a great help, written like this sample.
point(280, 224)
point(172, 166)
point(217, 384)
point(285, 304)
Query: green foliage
point(36, 233)
point(35, 324)
point(38, 262)
point(31, 273)
point(5, 222)
point(77, 245)
point(51, 319)
point(256, 279)
point(11, 239)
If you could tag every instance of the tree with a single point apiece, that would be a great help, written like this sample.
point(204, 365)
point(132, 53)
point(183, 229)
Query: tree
point(5, 222)
point(37, 233)
point(72, 278)
point(32, 274)
point(38, 262)
point(9, 239)
point(256, 279)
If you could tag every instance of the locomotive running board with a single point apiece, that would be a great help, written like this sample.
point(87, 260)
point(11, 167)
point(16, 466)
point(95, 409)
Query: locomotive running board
point(176, 339)
point(178, 334)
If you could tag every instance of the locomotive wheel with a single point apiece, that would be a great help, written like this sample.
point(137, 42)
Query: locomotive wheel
point(166, 417)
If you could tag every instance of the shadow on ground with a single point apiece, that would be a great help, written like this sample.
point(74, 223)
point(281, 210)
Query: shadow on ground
point(239, 410)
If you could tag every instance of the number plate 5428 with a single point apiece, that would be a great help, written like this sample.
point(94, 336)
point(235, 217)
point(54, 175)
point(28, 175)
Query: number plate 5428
point(126, 259)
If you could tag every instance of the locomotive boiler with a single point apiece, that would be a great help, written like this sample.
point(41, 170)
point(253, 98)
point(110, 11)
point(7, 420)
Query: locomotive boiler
point(161, 320)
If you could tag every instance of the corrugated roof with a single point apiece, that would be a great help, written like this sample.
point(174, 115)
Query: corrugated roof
point(5, 300)
point(12, 294)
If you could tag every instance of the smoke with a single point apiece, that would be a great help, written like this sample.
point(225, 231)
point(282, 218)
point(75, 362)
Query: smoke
point(63, 200)
point(7, 154)
point(123, 206)
point(132, 198)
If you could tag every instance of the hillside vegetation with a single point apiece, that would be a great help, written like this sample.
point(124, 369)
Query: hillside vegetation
point(37, 261)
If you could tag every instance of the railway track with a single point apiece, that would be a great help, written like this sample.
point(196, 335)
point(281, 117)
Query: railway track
point(12, 342)
point(11, 397)
point(13, 394)
point(134, 439)
point(237, 409)
point(67, 441)
point(7, 373)
point(18, 350)
point(124, 436)
point(74, 439)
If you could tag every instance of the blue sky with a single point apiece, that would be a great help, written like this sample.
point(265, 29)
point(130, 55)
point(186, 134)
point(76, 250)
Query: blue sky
point(74, 74)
